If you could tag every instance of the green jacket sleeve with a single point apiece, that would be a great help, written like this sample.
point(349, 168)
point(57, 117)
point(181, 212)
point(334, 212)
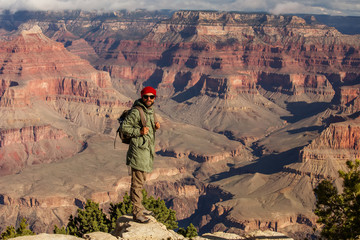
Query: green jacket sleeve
point(131, 125)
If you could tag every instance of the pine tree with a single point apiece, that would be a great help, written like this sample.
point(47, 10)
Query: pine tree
point(190, 231)
point(340, 213)
point(119, 209)
point(61, 230)
point(10, 231)
point(158, 207)
point(23, 230)
point(162, 213)
point(91, 219)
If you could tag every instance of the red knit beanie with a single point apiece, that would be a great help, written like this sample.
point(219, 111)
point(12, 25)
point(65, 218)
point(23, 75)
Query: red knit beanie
point(148, 90)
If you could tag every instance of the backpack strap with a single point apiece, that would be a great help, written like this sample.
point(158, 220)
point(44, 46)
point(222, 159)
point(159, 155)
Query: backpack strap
point(142, 119)
point(142, 116)
point(155, 118)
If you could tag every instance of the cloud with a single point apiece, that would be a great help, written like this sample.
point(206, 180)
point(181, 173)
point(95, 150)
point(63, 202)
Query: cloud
point(333, 7)
point(320, 7)
point(295, 7)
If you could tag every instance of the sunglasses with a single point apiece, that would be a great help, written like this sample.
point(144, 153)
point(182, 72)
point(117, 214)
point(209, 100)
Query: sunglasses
point(148, 96)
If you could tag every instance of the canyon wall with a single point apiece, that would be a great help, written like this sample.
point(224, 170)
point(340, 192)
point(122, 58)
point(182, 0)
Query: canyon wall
point(328, 153)
point(36, 68)
point(255, 110)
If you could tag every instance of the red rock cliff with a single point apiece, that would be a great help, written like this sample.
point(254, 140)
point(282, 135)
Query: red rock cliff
point(36, 68)
point(285, 51)
point(328, 153)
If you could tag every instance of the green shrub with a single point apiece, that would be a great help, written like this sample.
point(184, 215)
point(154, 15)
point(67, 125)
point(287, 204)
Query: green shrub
point(162, 213)
point(119, 209)
point(10, 231)
point(340, 213)
point(61, 230)
point(91, 219)
point(190, 231)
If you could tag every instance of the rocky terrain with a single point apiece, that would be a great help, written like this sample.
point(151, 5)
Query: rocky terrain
point(127, 229)
point(255, 110)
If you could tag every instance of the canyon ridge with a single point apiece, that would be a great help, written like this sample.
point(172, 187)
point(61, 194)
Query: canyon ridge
point(256, 109)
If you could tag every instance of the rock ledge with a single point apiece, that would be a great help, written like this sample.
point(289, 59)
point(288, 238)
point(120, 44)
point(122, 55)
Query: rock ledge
point(127, 229)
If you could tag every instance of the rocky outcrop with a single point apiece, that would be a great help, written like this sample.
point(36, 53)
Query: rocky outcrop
point(202, 158)
point(248, 82)
point(223, 217)
point(328, 153)
point(297, 84)
point(30, 134)
point(338, 136)
point(127, 229)
point(348, 99)
point(33, 145)
point(45, 236)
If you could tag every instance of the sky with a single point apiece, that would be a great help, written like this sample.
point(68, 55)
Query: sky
point(329, 7)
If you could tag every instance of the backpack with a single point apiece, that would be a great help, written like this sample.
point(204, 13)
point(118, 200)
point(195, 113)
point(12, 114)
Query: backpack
point(125, 138)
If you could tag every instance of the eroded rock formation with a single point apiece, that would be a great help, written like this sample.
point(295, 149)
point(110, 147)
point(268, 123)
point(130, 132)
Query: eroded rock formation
point(35, 68)
point(255, 110)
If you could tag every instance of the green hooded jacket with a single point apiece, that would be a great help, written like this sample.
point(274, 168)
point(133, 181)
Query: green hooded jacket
point(141, 151)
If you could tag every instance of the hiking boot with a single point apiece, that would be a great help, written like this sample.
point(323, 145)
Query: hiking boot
point(148, 212)
point(141, 219)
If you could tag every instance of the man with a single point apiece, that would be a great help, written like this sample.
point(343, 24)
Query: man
point(140, 155)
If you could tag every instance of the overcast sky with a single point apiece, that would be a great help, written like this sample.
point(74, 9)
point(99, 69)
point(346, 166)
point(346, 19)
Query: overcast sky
point(331, 7)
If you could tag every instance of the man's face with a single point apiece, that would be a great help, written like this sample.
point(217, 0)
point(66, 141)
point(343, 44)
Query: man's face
point(148, 99)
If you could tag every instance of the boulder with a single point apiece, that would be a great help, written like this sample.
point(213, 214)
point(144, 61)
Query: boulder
point(127, 229)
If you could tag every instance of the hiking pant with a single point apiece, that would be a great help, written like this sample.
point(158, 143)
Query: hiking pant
point(138, 179)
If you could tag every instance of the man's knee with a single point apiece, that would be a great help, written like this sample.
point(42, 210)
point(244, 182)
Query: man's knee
point(138, 177)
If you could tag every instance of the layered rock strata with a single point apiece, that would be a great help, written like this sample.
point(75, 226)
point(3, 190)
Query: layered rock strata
point(35, 68)
point(328, 153)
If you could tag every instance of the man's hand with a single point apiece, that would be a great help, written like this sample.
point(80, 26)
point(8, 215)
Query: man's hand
point(144, 131)
point(157, 125)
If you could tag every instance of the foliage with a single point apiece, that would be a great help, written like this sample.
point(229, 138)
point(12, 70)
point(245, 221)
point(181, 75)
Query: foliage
point(162, 213)
point(61, 230)
point(340, 212)
point(91, 219)
point(190, 231)
point(119, 209)
point(10, 231)
point(23, 230)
